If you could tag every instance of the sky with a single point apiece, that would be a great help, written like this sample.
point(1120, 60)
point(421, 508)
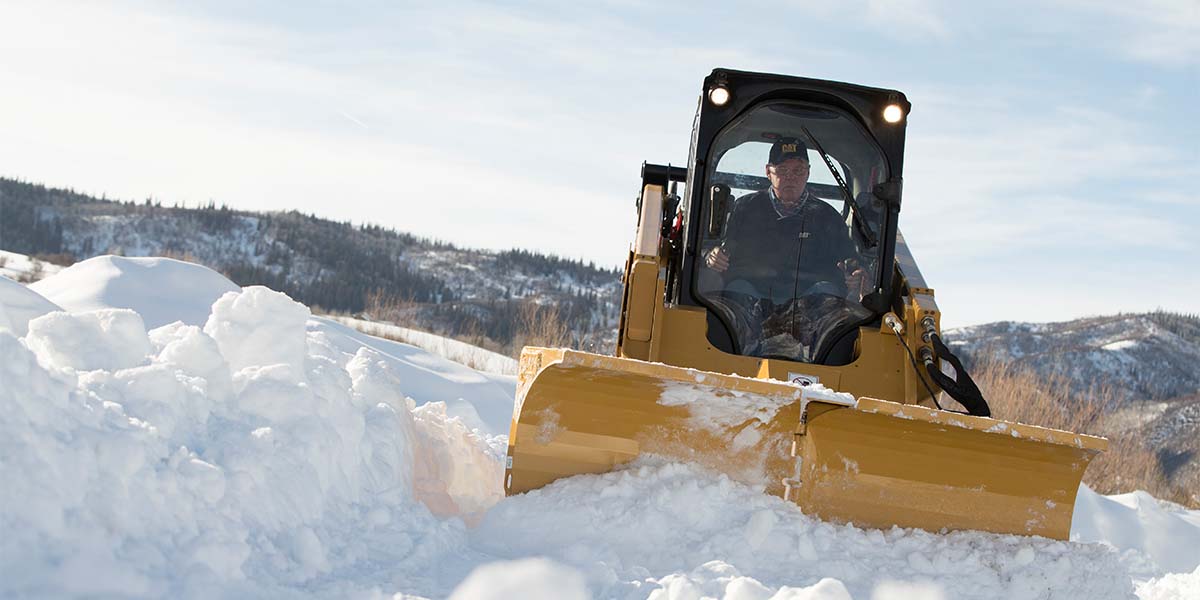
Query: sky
point(1051, 167)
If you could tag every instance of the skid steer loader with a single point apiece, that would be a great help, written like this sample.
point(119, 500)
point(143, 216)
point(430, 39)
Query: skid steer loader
point(807, 363)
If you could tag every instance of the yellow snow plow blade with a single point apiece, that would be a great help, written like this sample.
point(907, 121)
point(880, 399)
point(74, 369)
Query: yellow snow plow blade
point(867, 461)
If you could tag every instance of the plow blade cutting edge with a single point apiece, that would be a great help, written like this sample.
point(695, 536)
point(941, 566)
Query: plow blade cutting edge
point(865, 461)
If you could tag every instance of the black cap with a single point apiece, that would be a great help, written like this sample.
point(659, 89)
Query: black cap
point(788, 147)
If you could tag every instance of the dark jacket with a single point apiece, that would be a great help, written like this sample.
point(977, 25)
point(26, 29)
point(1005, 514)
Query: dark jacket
point(785, 255)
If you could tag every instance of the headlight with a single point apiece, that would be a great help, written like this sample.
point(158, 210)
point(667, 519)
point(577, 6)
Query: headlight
point(719, 96)
point(893, 113)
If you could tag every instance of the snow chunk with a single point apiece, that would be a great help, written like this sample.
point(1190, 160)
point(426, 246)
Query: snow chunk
point(19, 305)
point(530, 579)
point(1174, 586)
point(103, 339)
point(821, 393)
point(454, 473)
point(712, 408)
point(259, 327)
point(905, 590)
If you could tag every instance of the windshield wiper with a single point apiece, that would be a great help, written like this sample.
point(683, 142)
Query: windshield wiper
point(859, 223)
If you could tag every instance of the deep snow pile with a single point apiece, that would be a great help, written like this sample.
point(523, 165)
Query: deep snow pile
point(148, 283)
point(229, 456)
point(262, 452)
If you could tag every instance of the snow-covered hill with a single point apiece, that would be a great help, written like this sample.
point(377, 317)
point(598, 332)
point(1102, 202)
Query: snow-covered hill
point(1146, 357)
point(25, 269)
point(257, 451)
point(338, 266)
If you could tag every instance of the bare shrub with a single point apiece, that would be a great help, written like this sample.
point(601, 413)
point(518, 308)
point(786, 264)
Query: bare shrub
point(1019, 394)
point(3, 261)
point(540, 325)
point(399, 309)
point(62, 259)
point(182, 255)
point(471, 331)
point(1022, 395)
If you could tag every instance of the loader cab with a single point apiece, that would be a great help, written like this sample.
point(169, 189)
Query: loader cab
point(800, 277)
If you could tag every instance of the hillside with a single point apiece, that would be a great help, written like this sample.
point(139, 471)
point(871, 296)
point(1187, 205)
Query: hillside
point(334, 266)
point(1153, 356)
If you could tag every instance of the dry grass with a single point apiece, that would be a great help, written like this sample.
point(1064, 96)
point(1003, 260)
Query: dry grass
point(1019, 394)
point(540, 325)
point(37, 270)
point(392, 308)
point(62, 259)
point(184, 256)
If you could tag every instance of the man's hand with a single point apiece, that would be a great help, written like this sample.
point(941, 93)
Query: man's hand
point(856, 278)
point(717, 259)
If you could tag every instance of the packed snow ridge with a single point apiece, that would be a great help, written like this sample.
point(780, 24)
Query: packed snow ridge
point(165, 433)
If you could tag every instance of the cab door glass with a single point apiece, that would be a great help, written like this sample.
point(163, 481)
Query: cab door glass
point(788, 269)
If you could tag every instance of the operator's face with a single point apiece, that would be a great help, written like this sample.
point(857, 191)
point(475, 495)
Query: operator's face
point(788, 178)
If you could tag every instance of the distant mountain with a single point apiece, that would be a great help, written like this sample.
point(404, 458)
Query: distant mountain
point(1148, 357)
point(327, 264)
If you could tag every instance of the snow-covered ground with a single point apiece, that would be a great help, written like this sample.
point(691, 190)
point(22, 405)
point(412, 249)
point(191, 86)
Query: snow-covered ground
point(165, 433)
point(459, 352)
point(25, 268)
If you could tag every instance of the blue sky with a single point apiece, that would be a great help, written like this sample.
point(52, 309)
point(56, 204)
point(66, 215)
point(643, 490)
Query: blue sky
point(1052, 162)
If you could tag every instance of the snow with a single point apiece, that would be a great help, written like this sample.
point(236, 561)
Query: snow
point(20, 267)
point(18, 305)
point(721, 412)
point(695, 534)
point(1120, 345)
point(460, 352)
point(161, 290)
point(261, 452)
point(1136, 522)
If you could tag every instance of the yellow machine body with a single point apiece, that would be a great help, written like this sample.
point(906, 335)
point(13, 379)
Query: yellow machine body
point(874, 452)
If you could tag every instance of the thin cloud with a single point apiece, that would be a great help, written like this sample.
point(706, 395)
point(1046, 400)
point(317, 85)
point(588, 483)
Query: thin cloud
point(908, 18)
point(1162, 32)
point(1072, 181)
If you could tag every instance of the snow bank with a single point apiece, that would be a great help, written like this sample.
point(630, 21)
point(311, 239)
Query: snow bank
point(483, 401)
point(161, 290)
point(1155, 536)
point(245, 458)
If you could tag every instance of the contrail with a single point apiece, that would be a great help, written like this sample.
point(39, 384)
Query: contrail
point(353, 120)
